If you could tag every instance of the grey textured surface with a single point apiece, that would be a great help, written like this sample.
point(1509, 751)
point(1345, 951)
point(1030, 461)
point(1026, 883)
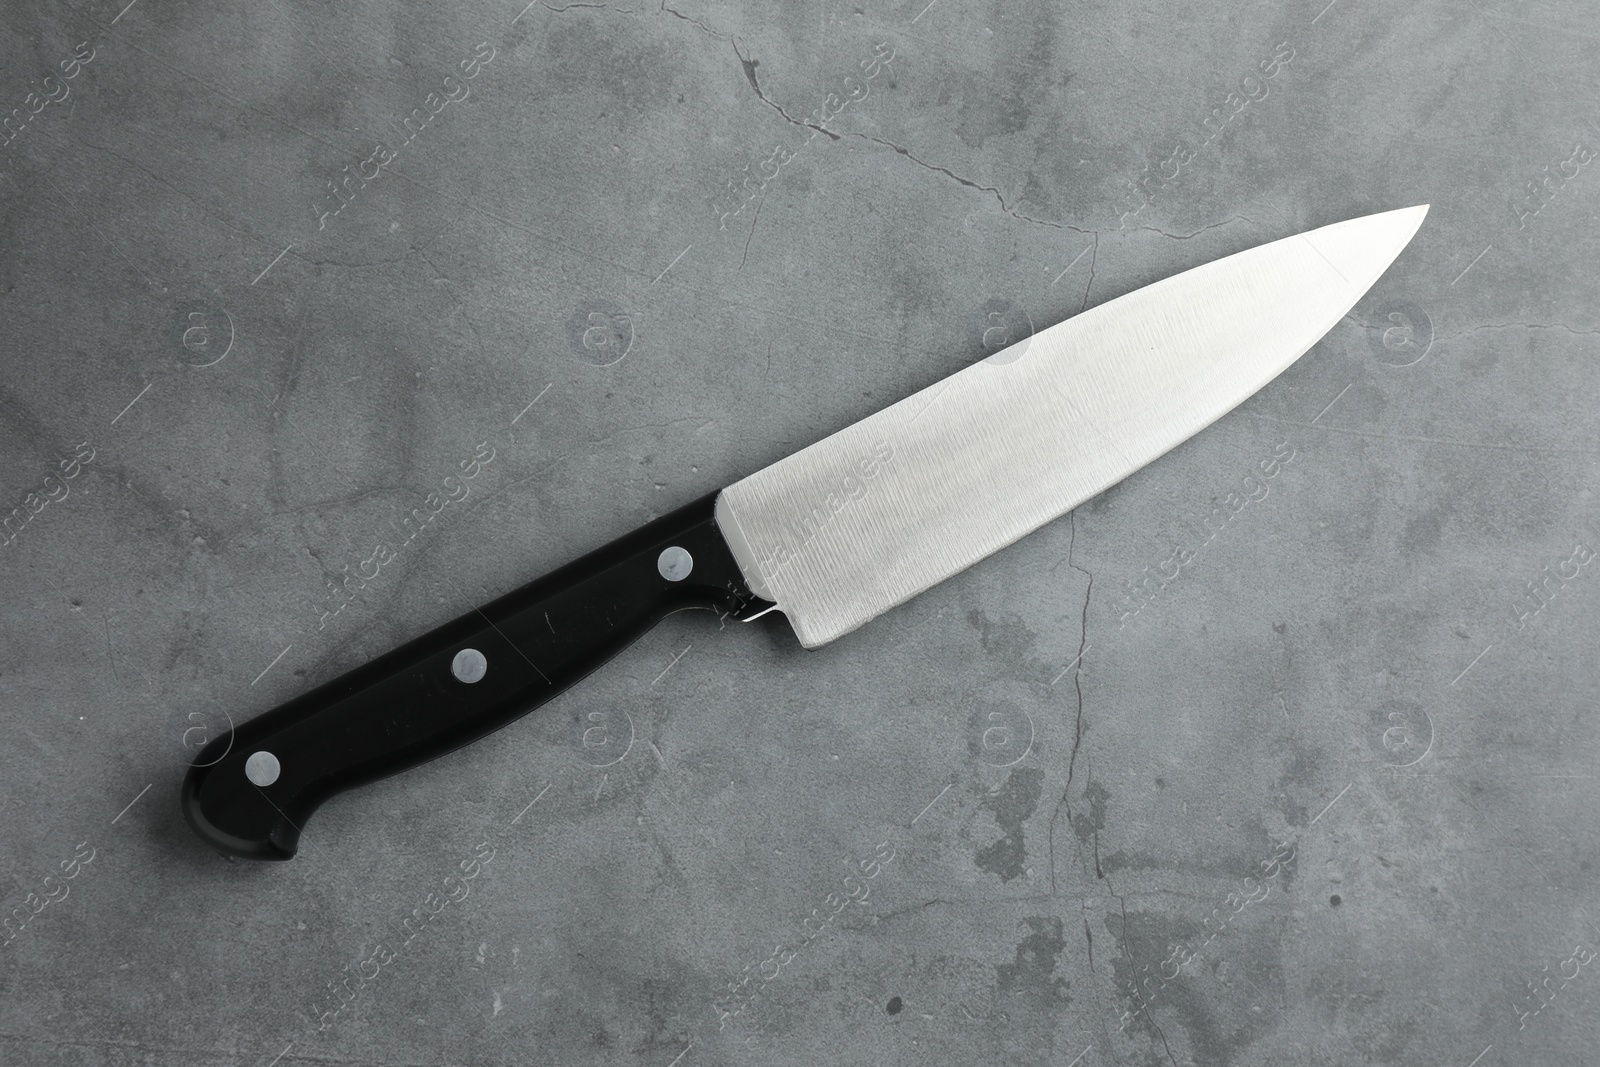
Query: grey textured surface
point(1306, 779)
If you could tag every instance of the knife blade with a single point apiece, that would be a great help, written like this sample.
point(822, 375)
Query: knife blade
point(831, 536)
point(991, 453)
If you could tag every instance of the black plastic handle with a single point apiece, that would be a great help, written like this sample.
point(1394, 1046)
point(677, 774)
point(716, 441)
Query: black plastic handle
point(252, 790)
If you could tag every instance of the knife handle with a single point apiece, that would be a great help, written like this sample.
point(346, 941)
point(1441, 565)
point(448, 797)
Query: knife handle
point(252, 789)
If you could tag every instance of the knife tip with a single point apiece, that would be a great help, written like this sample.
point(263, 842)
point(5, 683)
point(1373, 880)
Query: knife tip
point(1405, 222)
point(1418, 213)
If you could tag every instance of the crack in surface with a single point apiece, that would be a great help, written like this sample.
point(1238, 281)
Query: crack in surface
point(748, 238)
point(970, 184)
point(664, 9)
point(749, 66)
point(1094, 256)
point(1098, 872)
point(1508, 326)
point(924, 905)
point(1083, 640)
point(1201, 230)
point(1144, 1005)
point(569, 7)
point(1065, 803)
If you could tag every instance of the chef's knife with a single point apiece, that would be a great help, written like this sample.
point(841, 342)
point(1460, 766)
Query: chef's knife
point(831, 536)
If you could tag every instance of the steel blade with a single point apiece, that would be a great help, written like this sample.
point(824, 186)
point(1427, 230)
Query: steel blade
point(867, 518)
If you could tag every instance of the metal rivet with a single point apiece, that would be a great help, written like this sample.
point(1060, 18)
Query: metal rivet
point(469, 666)
point(675, 563)
point(262, 768)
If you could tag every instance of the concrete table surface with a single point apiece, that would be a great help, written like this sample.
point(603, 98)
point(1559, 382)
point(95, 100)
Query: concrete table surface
point(1307, 779)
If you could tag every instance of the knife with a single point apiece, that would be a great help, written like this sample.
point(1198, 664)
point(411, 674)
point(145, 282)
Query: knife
point(833, 535)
